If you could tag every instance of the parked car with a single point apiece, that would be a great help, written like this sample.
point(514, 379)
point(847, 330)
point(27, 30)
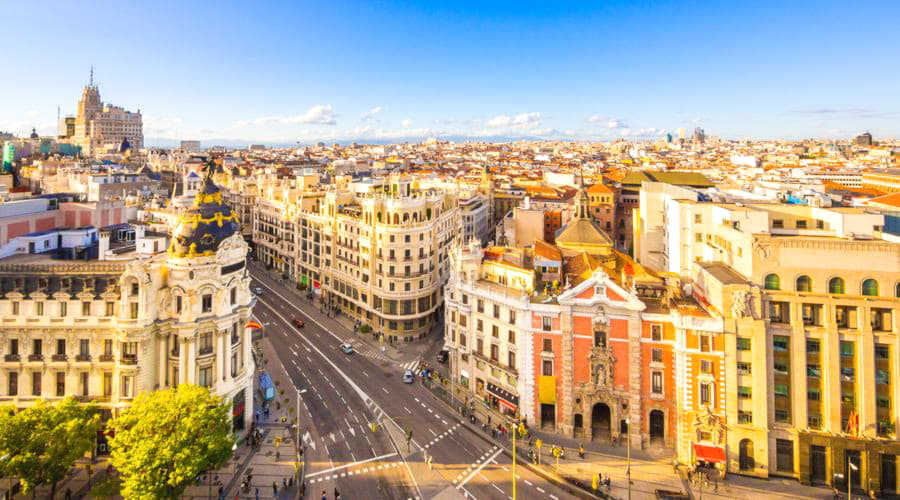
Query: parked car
point(257, 290)
point(409, 377)
point(298, 323)
point(347, 348)
point(442, 356)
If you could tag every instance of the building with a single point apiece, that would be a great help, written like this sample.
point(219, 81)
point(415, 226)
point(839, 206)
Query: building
point(102, 128)
point(192, 146)
point(575, 336)
point(103, 314)
point(66, 127)
point(884, 181)
point(474, 217)
point(810, 299)
point(863, 139)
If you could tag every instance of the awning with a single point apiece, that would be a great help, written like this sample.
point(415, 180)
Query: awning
point(503, 394)
point(711, 454)
point(547, 389)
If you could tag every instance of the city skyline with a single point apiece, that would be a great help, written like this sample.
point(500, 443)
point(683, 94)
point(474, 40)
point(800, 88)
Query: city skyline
point(350, 72)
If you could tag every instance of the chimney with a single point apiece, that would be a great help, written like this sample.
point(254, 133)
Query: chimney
point(104, 244)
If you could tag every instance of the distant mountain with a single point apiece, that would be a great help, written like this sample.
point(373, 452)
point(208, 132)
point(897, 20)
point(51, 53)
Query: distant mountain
point(240, 143)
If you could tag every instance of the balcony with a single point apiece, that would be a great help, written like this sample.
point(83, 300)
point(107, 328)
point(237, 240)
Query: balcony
point(205, 351)
point(175, 353)
point(83, 357)
point(12, 357)
point(129, 359)
point(35, 357)
point(106, 358)
point(60, 357)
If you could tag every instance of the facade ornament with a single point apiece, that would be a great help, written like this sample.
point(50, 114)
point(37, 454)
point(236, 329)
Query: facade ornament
point(741, 305)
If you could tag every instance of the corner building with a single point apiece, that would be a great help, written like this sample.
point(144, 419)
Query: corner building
point(132, 317)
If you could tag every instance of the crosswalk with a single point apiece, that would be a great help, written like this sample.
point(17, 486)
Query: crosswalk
point(370, 353)
point(410, 365)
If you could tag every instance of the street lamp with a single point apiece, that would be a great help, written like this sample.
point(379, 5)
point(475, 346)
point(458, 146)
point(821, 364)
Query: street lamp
point(851, 467)
point(5, 459)
point(628, 452)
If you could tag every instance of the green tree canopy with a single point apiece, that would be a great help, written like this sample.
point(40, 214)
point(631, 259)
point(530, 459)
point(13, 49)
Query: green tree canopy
point(44, 441)
point(168, 438)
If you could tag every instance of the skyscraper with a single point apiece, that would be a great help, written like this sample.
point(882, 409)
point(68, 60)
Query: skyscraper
point(102, 127)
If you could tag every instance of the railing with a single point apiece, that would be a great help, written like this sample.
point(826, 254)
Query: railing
point(129, 359)
point(106, 358)
point(35, 357)
point(83, 357)
point(204, 351)
point(60, 357)
point(12, 357)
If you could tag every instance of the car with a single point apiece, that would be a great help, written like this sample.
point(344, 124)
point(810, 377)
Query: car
point(298, 323)
point(409, 377)
point(347, 348)
point(257, 290)
point(442, 356)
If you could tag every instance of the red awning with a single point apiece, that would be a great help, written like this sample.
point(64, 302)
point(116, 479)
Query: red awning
point(712, 454)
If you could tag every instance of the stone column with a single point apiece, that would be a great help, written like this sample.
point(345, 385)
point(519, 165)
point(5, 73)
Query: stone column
point(182, 360)
point(227, 353)
point(162, 351)
point(190, 346)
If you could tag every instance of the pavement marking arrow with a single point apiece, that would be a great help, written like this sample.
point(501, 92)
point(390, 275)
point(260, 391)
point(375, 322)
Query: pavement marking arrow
point(352, 430)
point(333, 439)
point(308, 440)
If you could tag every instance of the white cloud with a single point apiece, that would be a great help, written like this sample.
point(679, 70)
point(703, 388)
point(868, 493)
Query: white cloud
point(161, 125)
point(615, 123)
point(521, 121)
point(406, 123)
point(368, 115)
point(648, 132)
point(596, 119)
point(323, 114)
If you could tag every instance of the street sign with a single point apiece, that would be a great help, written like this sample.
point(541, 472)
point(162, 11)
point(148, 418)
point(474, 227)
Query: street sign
point(538, 444)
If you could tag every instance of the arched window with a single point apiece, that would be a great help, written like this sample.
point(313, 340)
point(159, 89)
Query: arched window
point(897, 290)
point(396, 219)
point(870, 288)
point(773, 282)
point(378, 216)
point(745, 455)
point(836, 285)
point(804, 283)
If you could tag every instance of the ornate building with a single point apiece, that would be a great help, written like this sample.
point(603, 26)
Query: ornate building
point(132, 317)
point(102, 128)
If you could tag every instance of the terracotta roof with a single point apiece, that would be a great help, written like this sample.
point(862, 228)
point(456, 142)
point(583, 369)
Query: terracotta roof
point(583, 231)
point(599, 188)
point(546, 250)
point(891, 200)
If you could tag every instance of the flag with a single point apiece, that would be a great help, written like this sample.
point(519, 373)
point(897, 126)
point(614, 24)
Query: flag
point(853, 423)
point(253, 324)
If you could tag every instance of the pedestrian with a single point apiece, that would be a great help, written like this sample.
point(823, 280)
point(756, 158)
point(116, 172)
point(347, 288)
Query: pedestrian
point(257, 415)
point(68, 494)
point(581, 451)
point(257, 493)
point(324, 495)
point(291, 482)
point(337, 494)
point(283, 483)
point(275, 488)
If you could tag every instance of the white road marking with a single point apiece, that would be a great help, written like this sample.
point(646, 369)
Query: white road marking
point(385, 390)
point(407, 410)
point(478, 469)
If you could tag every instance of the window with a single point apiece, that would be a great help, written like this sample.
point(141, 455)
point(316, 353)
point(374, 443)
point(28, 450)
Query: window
point(813, 370)
point(812, 346)
point(780, 344)
point(656, 355)
point(656, 332)
point(743, 344)
point(110, 308)
point(15, 308)
point(511, 359)
point(698, 218)
point(814, 421)
point(706, 366)
point(84, 347)
point(836, 285)
point(512, 317)
point(60, 347)
point(882, 351)
point(480, 306)
point(547, 368)
point(870, 288)
point(12, 384)
point(63, 309)
point(772, 282)
point(495, 353)
point(744, 368)
point(480, 346)
point(108, 347)
point(178, 304)
point(548, 345)
point(781, 390)
point(126, 386)
point(778, 312)
point(813, 395)
point(233, 296)
point(14, 347)
point(36, 346)
point(496, 311)
point(744, 392)
point(36, 383)
point(705, 343)
point(133, 310)
point(134, 289)
point(656, 382)
point(801, 224)
point(511, 337)
point(782, 416)
point(547, 323)
point(85, 308)
point(107, 384)
point(780, 367)
point(803, 284)
point(495, 331)
point(207, 302)
point(847, 373)
point(745, 417)
point(462, 340)
point(847, 349)
point(777, 223)
point(882, 377)
point(205, 343)
point(205, 379)
point(698, 237)
point(480, 326)
point(706, 394)
point(784, 455)
point(60, 384)
point(39, 308)
point(812, 314)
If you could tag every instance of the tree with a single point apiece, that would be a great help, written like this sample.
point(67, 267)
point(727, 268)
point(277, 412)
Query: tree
point(167, 438)
point(44, 440)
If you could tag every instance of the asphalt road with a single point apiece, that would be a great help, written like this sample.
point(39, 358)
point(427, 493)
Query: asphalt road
point(345, 393)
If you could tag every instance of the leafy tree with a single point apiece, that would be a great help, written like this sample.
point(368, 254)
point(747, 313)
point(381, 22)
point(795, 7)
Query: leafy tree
point(168, 438)
point(44, 441)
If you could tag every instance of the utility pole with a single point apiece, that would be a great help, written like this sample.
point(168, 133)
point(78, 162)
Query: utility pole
point(514, 432)
point(628, 448)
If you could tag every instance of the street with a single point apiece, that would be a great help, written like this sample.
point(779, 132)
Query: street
point(346, 393)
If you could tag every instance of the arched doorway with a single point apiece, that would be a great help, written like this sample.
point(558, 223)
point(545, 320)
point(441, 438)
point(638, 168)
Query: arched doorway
point(746, 455)
point(600, 421)
point(657, 427)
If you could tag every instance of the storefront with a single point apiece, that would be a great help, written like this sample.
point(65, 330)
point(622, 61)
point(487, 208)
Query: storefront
point(708, 456)
point(238, 407)
point(502, 400)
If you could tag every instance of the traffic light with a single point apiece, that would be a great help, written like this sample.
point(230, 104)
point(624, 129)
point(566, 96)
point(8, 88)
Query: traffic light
point(373, 426)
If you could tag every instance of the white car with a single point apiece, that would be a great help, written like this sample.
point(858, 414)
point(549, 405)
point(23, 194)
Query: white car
point(347, 348)
point(409, 377)
point(257, 290)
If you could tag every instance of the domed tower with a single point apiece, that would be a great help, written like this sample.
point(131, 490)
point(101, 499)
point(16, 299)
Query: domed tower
point(208, 303)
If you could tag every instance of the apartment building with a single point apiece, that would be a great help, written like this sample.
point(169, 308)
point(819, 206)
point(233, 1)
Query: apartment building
point(810, 298)
point(129, 316)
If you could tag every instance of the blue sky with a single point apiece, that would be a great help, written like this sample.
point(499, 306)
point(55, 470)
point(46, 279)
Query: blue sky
point(342, 70)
